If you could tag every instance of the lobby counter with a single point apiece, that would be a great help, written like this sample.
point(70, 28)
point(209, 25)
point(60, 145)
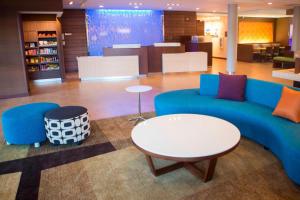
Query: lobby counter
point(141, 52)
point(185, 62)
point(155, 53)
point(100, 67)
point(201, 47)
point(290, 74)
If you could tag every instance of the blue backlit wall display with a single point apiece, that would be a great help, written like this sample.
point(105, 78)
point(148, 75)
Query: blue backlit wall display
point(108, 27)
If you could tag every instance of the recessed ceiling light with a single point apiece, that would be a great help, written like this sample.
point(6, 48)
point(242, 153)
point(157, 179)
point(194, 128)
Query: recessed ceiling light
point(71, 3)
point(135, 5)
point(214, 11)
point(171, 5)
point(270, 3)
point(239, 7)
point(170, 8)
point(197, 8)
point(101, 6)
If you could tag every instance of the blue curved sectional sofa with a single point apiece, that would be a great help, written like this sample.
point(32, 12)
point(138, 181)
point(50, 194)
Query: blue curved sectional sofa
point(253, 117)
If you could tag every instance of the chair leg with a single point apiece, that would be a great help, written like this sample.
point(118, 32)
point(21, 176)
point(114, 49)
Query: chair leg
point(37, 145)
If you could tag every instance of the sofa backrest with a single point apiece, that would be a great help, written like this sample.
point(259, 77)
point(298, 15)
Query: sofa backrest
point(263, 92)
point(257, 91)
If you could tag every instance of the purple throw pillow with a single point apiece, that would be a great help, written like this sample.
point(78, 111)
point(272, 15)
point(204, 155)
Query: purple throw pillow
point(232, 87)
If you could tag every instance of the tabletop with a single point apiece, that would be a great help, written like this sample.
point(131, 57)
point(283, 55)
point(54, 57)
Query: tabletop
point(138, 88)
point(185, 136)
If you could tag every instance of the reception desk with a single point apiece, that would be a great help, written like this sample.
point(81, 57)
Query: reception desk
point(133, 60)
point(100, 67)
point(141, 52)
point(185, 62)
point(201, 47)
point(155, 55)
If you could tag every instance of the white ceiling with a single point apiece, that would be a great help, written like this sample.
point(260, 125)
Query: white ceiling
point(247, 7)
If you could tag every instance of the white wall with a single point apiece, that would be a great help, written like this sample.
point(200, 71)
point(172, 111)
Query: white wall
point(219, 41)
point(219, 47)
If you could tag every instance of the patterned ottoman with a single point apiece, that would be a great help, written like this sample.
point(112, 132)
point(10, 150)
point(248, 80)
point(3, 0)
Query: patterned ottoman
point(68, 124)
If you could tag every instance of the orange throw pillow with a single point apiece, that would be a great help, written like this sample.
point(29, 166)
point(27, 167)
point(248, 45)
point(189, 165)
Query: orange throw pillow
point(289, 105)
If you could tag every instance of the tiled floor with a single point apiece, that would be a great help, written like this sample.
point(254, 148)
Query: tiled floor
point(108, 98)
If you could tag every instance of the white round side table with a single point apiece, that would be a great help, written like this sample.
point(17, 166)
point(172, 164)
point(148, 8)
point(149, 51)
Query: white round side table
point(138, 89)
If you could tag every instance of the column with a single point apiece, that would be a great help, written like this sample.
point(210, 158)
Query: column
point(296, 41)
point(296, 29)
point(232, 37)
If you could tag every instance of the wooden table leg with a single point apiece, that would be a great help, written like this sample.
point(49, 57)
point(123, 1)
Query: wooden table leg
point(210, 169)
point(204, 175)
point(151, 165)
point(190, 166)
point(163, 170)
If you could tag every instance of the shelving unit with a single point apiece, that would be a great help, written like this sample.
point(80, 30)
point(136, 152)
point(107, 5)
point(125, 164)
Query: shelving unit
point(42, 58)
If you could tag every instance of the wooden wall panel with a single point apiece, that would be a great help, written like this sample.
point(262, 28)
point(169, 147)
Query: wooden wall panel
point(73, 22)
point(30, 36)
point(32, 5)
point(282, 30)
point(179, 23)
point(200, 27)
point(30, 28)
point(13, 77)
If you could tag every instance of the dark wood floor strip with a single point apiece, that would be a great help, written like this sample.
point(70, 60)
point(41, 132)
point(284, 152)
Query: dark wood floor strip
point(31, 167)
point(29, 184)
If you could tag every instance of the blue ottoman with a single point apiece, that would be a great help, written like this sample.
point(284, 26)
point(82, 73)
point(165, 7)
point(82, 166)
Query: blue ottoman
point(25, 124)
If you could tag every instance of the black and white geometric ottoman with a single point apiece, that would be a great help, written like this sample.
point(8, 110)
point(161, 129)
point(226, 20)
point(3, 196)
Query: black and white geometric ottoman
point(67, 125)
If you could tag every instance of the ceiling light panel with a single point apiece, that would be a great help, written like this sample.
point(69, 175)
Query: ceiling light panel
point(135, 5)
point(172, 5)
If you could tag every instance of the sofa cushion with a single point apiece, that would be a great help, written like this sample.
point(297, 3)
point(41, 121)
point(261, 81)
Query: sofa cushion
point(232, 87)
point(209, 84)
point(283, 59)
point(263, 92)
point(289, 105)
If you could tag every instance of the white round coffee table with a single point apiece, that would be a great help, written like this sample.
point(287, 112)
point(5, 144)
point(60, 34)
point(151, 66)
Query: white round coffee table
point(186, 139)
point(138, 89)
